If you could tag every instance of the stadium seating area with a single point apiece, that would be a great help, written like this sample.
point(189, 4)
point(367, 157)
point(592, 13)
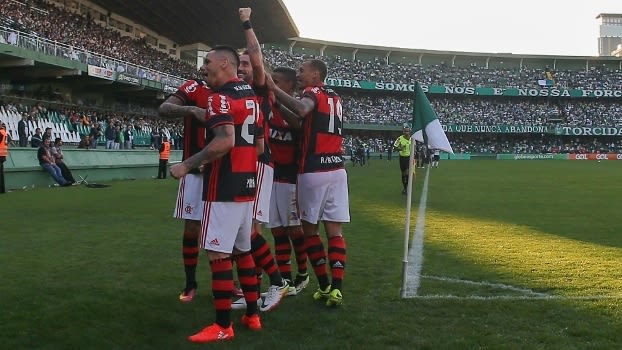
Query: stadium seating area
point(51, 22)
point(60, 128)
point(82, 33)
point(491, 144)
point(90, 42)
point(443, 74)
point(71, 123)
point(395, 110)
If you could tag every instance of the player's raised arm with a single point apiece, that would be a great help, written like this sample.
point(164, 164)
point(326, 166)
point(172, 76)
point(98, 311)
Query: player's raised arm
point(253, 47)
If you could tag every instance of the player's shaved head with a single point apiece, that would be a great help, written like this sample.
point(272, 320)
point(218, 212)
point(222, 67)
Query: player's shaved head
point(320, 67)
point(229, 53)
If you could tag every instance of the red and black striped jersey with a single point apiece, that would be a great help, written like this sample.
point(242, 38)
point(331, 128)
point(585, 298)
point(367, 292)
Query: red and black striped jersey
point(193, 93)
point(266, 101)
point(283, 148)
point(321, 139)
point(232, 178)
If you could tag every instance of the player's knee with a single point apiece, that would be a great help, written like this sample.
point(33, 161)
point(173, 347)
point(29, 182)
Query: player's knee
point(333, 229)
point(213, 256)
point(192, 228)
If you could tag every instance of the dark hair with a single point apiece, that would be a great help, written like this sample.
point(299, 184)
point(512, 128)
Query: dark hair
point(230, 51)
point(46, 137)
point(288, 73)
point(57, 139)
point(320, 66)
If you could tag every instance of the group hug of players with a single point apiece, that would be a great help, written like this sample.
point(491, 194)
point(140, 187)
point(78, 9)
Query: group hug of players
point(256, 152)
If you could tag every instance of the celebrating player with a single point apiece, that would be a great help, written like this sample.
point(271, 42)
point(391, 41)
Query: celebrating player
point(189, 101)
point(322, 179)
point(229, 190)
point(252, 71)
point(284, 219)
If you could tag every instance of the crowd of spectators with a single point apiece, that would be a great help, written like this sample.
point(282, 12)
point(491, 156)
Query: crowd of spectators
point(444, 74)
point(99, 125)
point(83, 33)
point(498, 143)
point(396, 110)
point(115, 130)
point(533, 144)
point(46, 20)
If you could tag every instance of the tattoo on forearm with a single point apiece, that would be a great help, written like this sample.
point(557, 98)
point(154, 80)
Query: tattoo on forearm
point(170, 110)
point(198, 159)
point(253, 46)
point(213, 150)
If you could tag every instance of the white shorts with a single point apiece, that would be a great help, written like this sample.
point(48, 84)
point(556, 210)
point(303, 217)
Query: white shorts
point(261, 208)
point(283, 205)
point(226, 225)
point(190, 203)
point(323, 196)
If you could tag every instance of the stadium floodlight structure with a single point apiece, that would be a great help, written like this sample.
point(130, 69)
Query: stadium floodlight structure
point(609, 33)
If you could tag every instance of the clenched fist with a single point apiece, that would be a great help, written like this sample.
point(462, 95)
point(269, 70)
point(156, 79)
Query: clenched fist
point(179, 170)
point(245, 14)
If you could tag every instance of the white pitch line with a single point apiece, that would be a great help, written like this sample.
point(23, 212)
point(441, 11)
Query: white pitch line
point(415, 265)
point(415, 255)
point(489, 284)
point(511, 297)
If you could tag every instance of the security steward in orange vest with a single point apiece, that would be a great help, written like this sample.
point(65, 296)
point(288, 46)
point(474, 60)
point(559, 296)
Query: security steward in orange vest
point(4, 153)
point(165, 152)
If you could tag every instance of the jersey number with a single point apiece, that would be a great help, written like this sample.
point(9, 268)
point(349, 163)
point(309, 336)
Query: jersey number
point(247, 134)
point(335, 111)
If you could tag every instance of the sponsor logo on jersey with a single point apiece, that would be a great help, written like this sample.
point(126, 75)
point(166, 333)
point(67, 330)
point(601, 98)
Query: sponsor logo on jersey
point(191, 88)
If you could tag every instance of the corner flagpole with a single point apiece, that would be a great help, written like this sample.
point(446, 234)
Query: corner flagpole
point(408, 212)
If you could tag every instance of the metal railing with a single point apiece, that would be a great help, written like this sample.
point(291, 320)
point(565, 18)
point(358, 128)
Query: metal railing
point(33, 42)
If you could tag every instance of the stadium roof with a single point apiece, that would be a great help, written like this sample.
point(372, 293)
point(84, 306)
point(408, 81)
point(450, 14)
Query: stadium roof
point(610, 15)
point(210, 22)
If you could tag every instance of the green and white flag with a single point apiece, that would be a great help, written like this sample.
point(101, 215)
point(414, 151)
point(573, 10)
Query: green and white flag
point(425, 124)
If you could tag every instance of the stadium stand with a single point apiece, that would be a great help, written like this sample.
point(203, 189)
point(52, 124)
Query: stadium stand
point(84, 35)
point(395, 110)
point(71, 123)
point(371, 117)
point(444, 74)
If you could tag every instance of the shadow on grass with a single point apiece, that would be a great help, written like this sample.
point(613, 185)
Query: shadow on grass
point(570, 199)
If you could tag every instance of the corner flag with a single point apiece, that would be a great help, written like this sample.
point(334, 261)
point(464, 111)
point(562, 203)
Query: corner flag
point(425, 123)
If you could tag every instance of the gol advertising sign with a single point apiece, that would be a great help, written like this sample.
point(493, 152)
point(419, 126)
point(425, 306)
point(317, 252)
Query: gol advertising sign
point(595, 156)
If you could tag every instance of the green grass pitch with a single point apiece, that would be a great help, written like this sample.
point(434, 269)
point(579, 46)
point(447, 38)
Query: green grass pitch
point(516, 255)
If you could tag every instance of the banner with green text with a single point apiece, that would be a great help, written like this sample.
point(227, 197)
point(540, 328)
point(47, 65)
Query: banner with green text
point(500, 129)
point(588, 130)
point(469, 90)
